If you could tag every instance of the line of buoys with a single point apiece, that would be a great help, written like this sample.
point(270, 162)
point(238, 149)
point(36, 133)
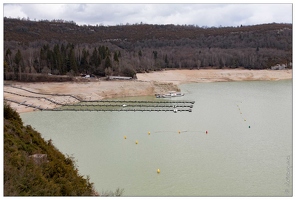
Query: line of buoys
point(241, 112)
point(184, 131)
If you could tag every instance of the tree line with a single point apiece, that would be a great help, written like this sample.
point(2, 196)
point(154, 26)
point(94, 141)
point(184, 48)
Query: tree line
point(72, 60)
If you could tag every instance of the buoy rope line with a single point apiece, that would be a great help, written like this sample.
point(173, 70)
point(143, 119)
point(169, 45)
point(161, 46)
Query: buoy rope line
point(180, 131)
point(136, 142)
point(241, 114)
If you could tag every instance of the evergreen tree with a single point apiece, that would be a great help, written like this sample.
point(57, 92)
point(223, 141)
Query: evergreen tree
point(72, 61)
point(95, 58)
point(108, 62)
point(57, 58)
point(102, 52)
point(154, 55)
point(115, 57)
point(84, 60)
point(17, 59)
point(63, 59)
point(166, 60)
point(50, 59)
point(8, 57)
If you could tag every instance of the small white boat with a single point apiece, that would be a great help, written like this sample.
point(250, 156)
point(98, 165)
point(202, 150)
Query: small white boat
point(170, 94)
point(175, 94)
point(124, 105)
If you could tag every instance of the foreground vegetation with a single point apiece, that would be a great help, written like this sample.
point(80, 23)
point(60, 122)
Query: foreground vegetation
point(34, 167)
point(59, 48)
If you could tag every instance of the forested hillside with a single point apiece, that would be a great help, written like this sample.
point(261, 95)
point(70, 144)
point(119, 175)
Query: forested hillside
point(59, 47)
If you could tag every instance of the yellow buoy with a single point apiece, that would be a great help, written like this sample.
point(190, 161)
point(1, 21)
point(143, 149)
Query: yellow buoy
point(148, 132)
point(179, 132)
point(136, 141)
point(124, 137)
point(158, 171)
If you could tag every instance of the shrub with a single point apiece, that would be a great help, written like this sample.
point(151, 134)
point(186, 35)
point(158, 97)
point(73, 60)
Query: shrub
point(128, 71)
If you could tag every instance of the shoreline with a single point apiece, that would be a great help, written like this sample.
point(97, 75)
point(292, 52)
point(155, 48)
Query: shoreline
point(183, 76)
point(147, 84)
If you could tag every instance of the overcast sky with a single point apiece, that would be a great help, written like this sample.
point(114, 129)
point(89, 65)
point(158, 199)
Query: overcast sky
point(197, 14)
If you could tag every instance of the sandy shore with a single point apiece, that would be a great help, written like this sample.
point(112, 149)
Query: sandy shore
point(147, 84)
point(214, 75)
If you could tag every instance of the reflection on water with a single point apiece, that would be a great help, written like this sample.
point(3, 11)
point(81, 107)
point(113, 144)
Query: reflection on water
point(247, 150)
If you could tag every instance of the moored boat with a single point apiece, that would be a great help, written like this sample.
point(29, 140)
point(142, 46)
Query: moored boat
point(170, 94)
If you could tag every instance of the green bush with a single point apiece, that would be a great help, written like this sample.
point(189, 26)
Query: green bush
point(23, 176)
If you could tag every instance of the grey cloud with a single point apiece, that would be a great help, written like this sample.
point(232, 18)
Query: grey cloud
point(197, 14)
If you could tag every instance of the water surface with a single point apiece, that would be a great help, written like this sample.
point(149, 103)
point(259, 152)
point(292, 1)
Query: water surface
point(247, 151)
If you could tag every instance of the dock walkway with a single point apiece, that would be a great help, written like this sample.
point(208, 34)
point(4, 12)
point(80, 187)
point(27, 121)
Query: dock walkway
point(101, 105)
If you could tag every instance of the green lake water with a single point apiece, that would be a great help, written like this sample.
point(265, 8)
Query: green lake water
point(247, 150)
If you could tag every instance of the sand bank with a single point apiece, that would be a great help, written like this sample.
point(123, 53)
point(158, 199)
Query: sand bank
point(214, 75)
point(146, 84)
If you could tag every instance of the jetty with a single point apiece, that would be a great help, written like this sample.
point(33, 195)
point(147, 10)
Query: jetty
point(77, 104)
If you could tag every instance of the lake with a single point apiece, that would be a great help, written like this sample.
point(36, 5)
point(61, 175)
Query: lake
point(237, 141)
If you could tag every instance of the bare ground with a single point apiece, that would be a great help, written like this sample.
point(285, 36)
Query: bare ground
point(214, 75)
point(147, 84)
